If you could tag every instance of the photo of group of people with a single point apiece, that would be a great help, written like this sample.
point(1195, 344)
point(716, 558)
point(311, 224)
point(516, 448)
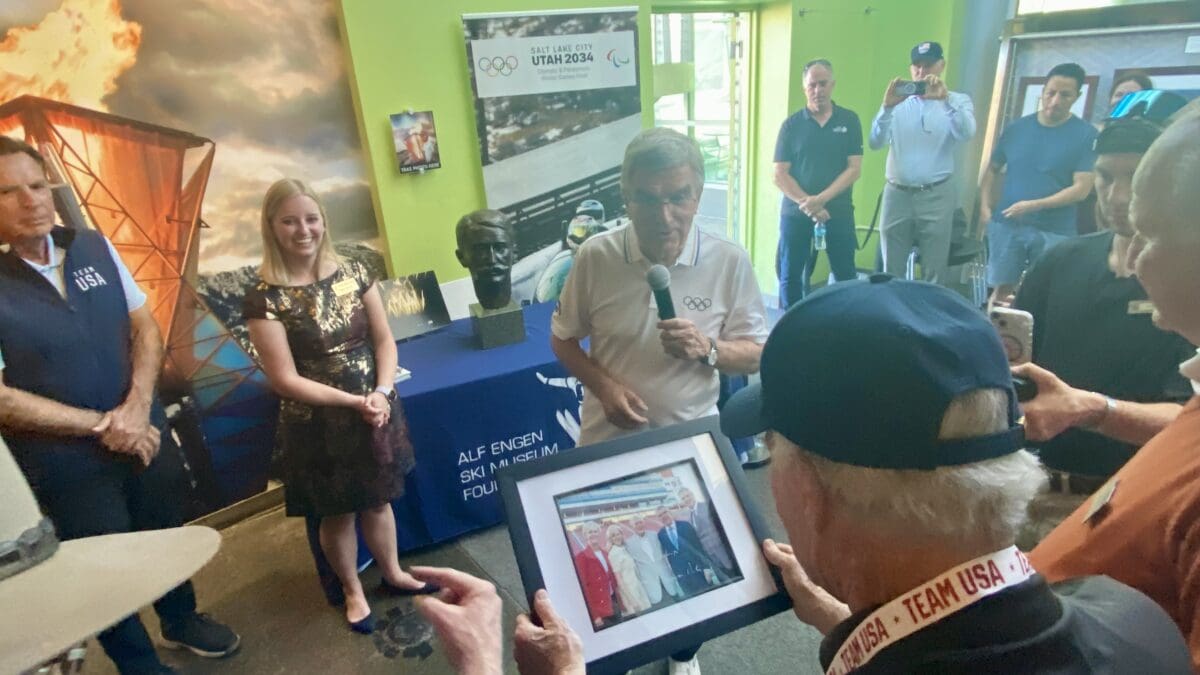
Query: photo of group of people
point(645, 541)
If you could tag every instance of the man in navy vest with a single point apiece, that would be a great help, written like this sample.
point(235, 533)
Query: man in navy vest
point(79, 360)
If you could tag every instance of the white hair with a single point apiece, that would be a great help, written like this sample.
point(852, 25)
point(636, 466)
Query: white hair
point(590, 526)
point(982, 501)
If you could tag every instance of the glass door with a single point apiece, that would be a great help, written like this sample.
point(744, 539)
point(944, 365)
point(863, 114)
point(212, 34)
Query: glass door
point(704, 55)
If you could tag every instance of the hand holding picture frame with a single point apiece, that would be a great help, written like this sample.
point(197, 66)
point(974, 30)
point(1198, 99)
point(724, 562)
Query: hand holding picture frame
point(647, 544)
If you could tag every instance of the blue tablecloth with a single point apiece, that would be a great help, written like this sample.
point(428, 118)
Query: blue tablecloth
point(470, 411)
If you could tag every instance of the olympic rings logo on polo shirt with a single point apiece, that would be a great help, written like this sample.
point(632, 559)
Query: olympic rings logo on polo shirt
point(696, 304)
point(498, 65)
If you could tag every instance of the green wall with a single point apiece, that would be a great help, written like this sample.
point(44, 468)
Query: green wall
point(867, 50)
point(403, 59)
point(399, 61)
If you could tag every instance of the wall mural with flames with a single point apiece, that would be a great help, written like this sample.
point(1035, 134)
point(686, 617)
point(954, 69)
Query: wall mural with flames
point(151, 107)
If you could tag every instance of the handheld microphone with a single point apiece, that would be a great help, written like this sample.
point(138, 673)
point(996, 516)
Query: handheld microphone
point(659, 279)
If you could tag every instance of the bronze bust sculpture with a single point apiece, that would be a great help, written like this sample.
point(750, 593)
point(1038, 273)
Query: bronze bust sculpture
point(486, 248)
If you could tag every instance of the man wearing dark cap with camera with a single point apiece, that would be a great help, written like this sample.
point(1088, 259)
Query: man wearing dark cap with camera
point(921, 122)
point(1108, 379)
point(901, 480)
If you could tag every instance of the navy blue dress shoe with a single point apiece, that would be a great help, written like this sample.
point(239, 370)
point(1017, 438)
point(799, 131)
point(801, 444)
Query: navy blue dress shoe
point(365, 625)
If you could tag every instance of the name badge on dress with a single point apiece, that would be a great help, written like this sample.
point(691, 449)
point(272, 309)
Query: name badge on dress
point(344, 287)
point(1141, 307)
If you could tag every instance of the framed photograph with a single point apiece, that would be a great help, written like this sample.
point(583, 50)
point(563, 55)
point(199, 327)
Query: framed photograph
point(415, 138)
point(647, 544)
point(1029, 96)
point(1183, 80)
point(414, 305)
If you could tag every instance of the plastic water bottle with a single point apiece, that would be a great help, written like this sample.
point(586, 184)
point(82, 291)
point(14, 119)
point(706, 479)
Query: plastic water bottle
point(819, 236)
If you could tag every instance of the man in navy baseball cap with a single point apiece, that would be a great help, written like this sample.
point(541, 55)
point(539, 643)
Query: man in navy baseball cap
point(900, 478)
point(927, 52)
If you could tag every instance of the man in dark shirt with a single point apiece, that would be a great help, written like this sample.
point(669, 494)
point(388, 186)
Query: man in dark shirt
point(818, 156)
point(1108, 379)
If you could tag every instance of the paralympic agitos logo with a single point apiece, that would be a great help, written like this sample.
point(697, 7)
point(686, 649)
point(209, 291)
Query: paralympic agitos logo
point(616, 59)
point(498, 65)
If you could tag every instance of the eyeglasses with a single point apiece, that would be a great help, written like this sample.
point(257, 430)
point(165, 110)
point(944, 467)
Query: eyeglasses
point(680, 200)
point(1153, 105)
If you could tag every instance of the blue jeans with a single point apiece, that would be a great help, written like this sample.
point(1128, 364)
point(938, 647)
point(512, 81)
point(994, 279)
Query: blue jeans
point(1013, 247)
point(796, 257)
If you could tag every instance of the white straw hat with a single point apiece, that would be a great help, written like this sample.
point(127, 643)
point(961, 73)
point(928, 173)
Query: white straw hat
point(53, 595)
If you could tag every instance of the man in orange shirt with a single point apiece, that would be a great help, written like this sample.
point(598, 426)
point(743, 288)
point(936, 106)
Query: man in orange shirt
point(1143, 527)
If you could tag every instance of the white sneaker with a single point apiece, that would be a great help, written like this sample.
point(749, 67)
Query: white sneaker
point(683, 667)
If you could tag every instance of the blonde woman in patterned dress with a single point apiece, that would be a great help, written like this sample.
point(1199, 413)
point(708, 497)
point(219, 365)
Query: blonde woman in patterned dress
point(322, 337)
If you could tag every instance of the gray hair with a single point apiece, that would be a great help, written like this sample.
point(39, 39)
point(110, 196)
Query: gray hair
point(982, 501)
point(818, 62)
point(590, 526)
point(660, 149)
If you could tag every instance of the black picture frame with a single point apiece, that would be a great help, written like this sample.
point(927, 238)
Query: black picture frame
point(725, 620)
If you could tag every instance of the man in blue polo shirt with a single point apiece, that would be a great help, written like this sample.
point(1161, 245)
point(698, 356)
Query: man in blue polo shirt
point(79, 359)
point(1047, 158)
point(818, 156)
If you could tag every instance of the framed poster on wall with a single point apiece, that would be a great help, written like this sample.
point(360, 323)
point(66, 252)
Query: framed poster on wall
point(1182, 80)
point(1029, 96)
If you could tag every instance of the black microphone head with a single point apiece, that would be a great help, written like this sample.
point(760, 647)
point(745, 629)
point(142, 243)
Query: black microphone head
point(659, 278)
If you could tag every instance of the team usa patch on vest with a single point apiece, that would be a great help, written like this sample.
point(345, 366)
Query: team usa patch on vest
point(87, 278)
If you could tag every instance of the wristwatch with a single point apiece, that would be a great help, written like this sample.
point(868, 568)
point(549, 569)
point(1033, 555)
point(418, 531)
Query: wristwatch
point(388, 392)
point(711, 357)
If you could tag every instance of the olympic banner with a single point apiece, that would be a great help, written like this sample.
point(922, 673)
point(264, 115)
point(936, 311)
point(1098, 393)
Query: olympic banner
point(548, 64)
point(557, 99)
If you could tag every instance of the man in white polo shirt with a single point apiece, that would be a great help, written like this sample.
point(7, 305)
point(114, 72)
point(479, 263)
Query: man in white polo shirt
point(641, 372)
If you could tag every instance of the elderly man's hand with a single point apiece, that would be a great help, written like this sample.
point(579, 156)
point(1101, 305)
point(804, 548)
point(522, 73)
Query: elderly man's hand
point(622, 406)
point(890, 98)
point(144, 446)
point(683, 340)
point(466, 616)
point(148, 445)
point(935, 89)
point(550, 649)
point(812, 604)
point(1057, 406)
point(125, 428)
